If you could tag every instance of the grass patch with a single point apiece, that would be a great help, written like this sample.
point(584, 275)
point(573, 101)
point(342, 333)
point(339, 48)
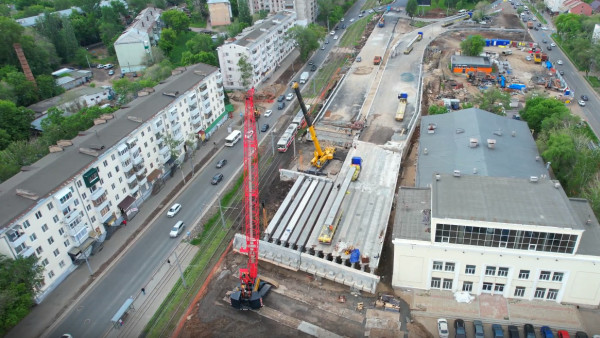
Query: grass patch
point(419, 24)
point(322, 78)
point(589, 133)
point(199, 24)
point(180, 47)
point(369, 4)
point(355, 32)
point(593, 80)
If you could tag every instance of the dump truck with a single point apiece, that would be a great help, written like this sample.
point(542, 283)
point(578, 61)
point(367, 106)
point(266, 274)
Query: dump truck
point(402, 98)
point(537, 57)
point(357, 163)
point(419, 36)
point(304, 77)
point(377, 60)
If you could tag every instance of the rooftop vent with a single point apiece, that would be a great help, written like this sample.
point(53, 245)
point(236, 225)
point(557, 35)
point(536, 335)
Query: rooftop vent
point(556, 185)
point(473, 142)
point(173, 94)
point(438, 177)
point(460, 130)
point(491, 143)
point(474, 171)
point(456, 173)
point(431, 128)
point(27, 194)
point(534, 179)
point(425, 151)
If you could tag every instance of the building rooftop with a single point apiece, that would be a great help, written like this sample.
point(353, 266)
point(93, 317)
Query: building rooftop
point(470, 60)
point(65, 97)
point(260, 28)
point(51, 172)
point(588, 244)
point(217, 1)
point(32, 20)
point(448, 148)
point(413, 214)
point(503, 200)
point(141, 27)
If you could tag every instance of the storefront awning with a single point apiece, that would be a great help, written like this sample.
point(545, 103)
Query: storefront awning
point(126, 202)
point(79, 249)
point(156, 173)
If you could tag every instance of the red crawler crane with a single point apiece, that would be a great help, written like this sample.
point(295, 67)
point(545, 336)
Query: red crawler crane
point(251, 290)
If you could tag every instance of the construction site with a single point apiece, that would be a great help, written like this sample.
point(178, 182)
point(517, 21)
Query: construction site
point(326, 239)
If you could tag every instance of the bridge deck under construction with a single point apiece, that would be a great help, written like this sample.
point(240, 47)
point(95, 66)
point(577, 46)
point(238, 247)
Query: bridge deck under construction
point(358, 210)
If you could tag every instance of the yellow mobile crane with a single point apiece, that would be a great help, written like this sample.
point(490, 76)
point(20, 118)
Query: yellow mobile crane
point(321, 157)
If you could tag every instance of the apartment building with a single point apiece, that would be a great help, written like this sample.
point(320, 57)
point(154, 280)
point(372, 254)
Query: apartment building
point(133, 47)
point(263, 46)
point(515, 237)
point(219, 12)
point(62, 206)
point(306, 10)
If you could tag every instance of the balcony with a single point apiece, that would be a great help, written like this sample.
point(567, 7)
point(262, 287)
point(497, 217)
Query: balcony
point(206, 101)
point(158, 136)
point(164, 150)
point(142, 182)
point(141, 173)
point(193, 107)
point(133, 189)
point(76, 230)
point(204, 89)
point(178, 137)
point(196, 119)
point(172, 115)
point(220, 84)
point(73, 216)
point(126, 166)
point(138, 160)
point(131, 178)
point(220, 79)
point(98, 196)
point(16, 237)
point(164, 158)
point(24, 251)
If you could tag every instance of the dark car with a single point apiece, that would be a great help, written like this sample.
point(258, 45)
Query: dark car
point(216, 179)
point(343, 26)
point(459, 327)
point(281, 98)
point(280, 105)
point(264, 127)
point(584, 97)
point(313, 68)
point(497, 331)
point(513, 331)
point(221, 163)
point(478, 329)
point(544, 41)
point(528, 331)
point(561, 72)
point(581, 334)
point(549, 48)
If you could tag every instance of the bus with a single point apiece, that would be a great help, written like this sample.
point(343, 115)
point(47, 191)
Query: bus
point(285, 141)
point(299, 119)
point(233, 138)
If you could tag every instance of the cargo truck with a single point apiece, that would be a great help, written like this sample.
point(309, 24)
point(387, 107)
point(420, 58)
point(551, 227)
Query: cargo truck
point(304, 77)
point(377, 60)
point(402, 98)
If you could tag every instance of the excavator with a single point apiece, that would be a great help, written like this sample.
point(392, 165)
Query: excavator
point(321, 157)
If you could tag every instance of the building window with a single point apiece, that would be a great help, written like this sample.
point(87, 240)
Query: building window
point(524, 274)
point(519, 291)
point(109, 174)
point(557, 277)
point(39, 250)
point(502, 272)
point(67, 243)
point(50, 240)
point(435, 283)
point(117, 169)
point(112, 186)
point(93, 219)
point(447, 284)
point(56, 252)
point(552, 294)
point(84, 196)
point(61, 264)
point(79, 184)
point(33, 237)
point(437, 265)
point(449, 267)
point(26, 224)
point(490, 270)
point(61, 231)
point(76, 202)
point(499, 288)
point(545, 275)
point(120, 179)
point(38, 214)
point(467, 286)
point(470, 270)
point(539, 293)
point(105, 163)
point(50, 206)
point(88, 207)
point(124, 191)
point(112, 157)
point(51, 274)
point(487, 287)
point(44, 228)
point(45, 262)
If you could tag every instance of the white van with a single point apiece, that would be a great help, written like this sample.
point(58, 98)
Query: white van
point(177, 229)
point(462, 11)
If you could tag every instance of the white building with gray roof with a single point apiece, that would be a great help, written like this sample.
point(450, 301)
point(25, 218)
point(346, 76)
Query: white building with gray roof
point(476, 142)
point(133, 47)
point(515, 237)
point(263, 45)
point(60, 207)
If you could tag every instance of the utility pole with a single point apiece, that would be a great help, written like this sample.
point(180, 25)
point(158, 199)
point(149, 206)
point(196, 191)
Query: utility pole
point(294, 147)
point(221, 212)
point(273, 141)
point(180, 271)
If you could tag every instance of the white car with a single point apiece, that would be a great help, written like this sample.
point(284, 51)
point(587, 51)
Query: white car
point(268, 113)
point(553, 44)
point(544, 28)
point(289, 97)
point(559, 62)
point(332, 33)
point(174, 210)
point(100, 66)
point(342, 20)
point(443, 328)
point(528, 58)
point(351, 20)
point(177, 229)
point(581, 103)
point(108, 66)
point(335, 37)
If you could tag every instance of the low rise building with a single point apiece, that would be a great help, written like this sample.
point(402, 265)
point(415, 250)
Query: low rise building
point(220, 12)
point(306, 10)
point(263, 46)
point(467, 64)
point(514, 237)
point(62, 206)
point(576, 7)
point(32, 20)
point(133, 47)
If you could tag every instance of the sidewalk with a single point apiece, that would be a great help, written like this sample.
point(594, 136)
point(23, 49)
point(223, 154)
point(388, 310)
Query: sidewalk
point(76, 285)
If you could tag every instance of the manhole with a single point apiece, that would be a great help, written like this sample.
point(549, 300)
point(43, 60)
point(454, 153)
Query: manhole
point(407, 77)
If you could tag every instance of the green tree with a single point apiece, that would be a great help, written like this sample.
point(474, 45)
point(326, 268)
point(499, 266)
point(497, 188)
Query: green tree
point(245, 70)
point(25, 90)
point(473, 45)
point(244, 13)
point(539, 108)
point(235, 28)
point(47, 87)
point(234, 8)
point(16, 121)
point(11, 33)
point(5, 139)
point(200, 43)
point(18, 281)
point(86, 28)
point(306, 38)
point(176, 20)
point(437, 110)
point(167, 40)
point(561, 153)
point(326, 7)
point(493, 100)
point(411, 8)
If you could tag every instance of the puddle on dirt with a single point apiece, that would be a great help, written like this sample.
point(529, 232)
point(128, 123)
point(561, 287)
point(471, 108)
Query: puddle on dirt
point(407, 77)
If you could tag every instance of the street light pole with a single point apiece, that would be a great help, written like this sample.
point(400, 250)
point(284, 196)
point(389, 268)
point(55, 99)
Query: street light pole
point(221, 212)
point(86, 259)
point(179, 267)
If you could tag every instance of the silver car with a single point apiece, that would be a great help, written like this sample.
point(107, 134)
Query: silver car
point(174, 210)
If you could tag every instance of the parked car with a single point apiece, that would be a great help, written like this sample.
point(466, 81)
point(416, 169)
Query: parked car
point(281, 98)
point(326, 41)
point(313, 68)
point(443, 328)
point(108, 66)
point(335, 37)
point(177, 229)
point(111, 72)
point(546, 332)
point(216, 179)
point(581, 334)
point(342, 20)
point(311, 62)
point(323, 47)
point(478, 329)
point(281, 105)
point(264, 127)
point(221, 163)
point(352, 20)
point(459, 328)
point(497, 331)
point(561, 72)
point(268, 113)
point(344, 26)
point(528, 331)
point(559, 62)
point(584, 97)
point(544, 41)
point(513, 331)
point(358, 59)
point(174, 210)
point(289, 96)
point(553, 44)
point(581, 103)
point(544, 28)
point(528, 58)
point(100, 66)
point(563, 334)
point(332, 33)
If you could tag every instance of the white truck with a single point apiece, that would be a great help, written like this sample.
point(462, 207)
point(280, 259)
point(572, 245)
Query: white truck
point(304, 77)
